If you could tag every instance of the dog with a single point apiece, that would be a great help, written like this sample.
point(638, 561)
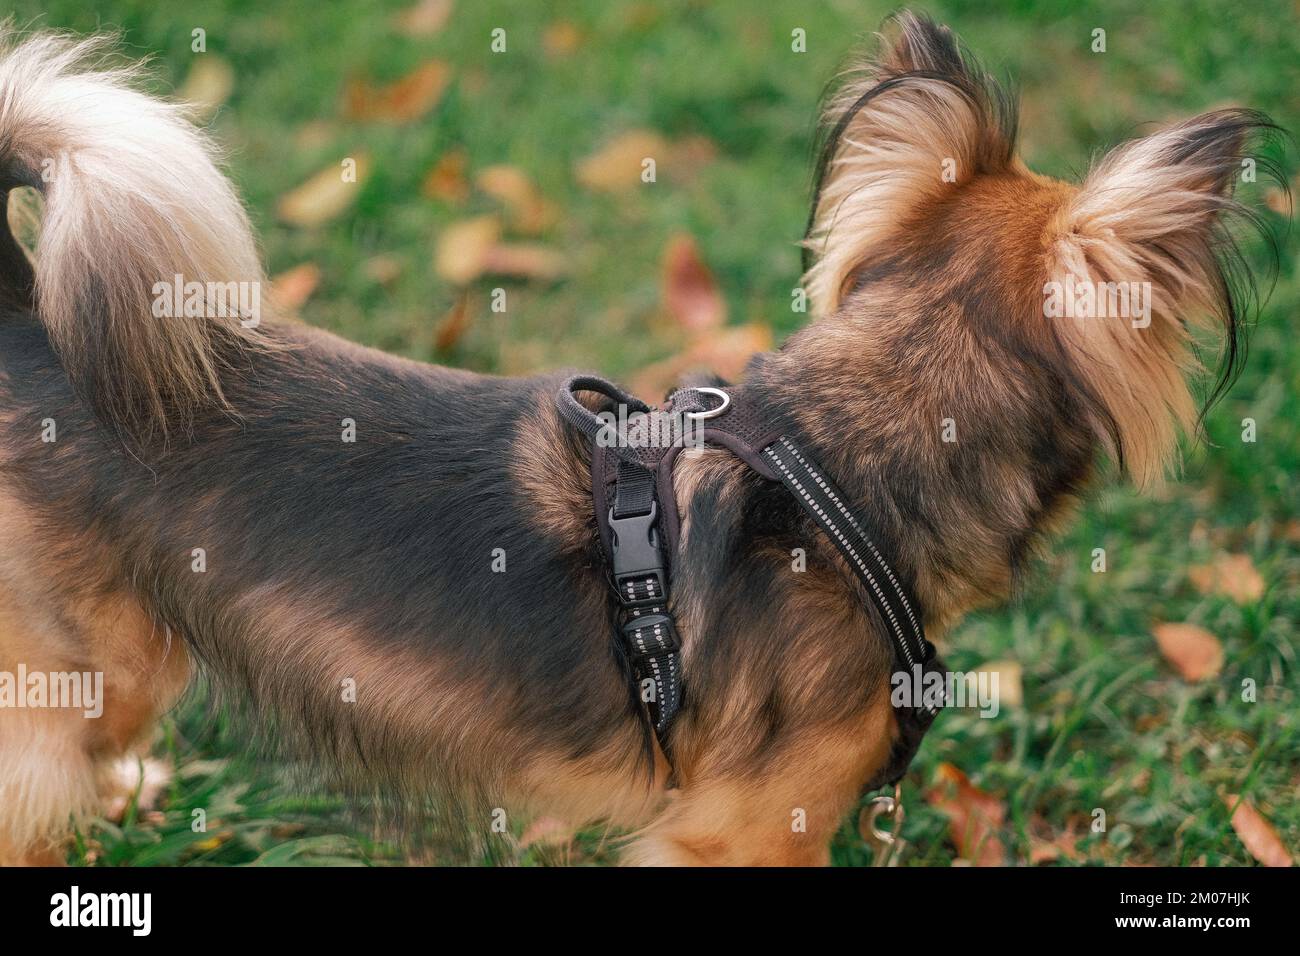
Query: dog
point(396, 565)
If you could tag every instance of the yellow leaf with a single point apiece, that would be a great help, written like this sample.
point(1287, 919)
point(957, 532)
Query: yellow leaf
point(207, 85)
point(529, 212)
point(463, 249)
point(323, 197)
point(617, 165)
point(424, 18)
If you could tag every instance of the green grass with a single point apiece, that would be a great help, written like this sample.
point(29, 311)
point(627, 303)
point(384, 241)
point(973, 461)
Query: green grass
point(1105, 722)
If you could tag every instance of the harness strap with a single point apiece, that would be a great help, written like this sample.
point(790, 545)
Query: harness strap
point(638, 526)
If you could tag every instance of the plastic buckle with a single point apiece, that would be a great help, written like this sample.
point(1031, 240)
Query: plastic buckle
point(666, 641)
point(637, 559)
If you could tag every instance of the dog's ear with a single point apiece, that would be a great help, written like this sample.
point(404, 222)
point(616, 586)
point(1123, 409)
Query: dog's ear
point(1153, 217)
point(899, 131)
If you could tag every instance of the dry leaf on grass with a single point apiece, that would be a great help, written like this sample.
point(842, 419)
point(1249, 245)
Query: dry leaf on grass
point(323, 197)
point(524, 260)
point(725, 352)
point(446, 180)
point(1256, 833)
point(688, 288)
point(529, 212)
point(207, 86)
point(463, 248)
point(974, 817)
point(407, 100)
point(1046, 846)
point(384, 268)
point(453, 325)
point(424, 18)
point(1232, 575)
point(293, 287)
point(617, 164)
point(1194, 652)
point(1011, 691)
point(561, 38)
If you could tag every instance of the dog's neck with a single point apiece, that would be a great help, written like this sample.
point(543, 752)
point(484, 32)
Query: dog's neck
point(961, 457)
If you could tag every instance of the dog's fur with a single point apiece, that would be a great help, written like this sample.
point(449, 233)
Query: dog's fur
point(373, 560)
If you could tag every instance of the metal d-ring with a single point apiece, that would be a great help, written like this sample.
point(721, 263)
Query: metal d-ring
point(712, 412)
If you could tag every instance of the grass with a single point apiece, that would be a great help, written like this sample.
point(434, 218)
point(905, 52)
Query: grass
point(1105, 723)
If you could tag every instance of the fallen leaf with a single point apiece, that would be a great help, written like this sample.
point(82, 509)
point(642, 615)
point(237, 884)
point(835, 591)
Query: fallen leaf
point(1011, 692)
point(452, 325)
point(1193, 651)
point(561, 38)
point(616, 166)
point(547, 831)
point(1278, 201)
point(1232, 575)
point(323, 197)
point(384, 269)
point(521, 260)
point(292, 288)
point(315, 134)
point(446, 181)
point(974, 817)
point(689, 290)
point(1046, 846)
point(725, 353)
point(207, 86)
point(1256, 833)
point(425, 18)
point(407, 100)
point(529, 212)
point(463, 249)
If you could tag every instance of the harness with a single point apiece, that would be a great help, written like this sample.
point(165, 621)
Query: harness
point(633, 450)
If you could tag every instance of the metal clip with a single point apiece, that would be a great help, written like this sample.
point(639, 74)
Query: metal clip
point(886, 844)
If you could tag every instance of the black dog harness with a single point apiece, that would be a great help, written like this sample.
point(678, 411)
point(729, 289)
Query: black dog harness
point(633, 450)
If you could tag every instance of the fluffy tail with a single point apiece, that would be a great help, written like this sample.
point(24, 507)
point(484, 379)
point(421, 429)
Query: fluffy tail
point(143, 243)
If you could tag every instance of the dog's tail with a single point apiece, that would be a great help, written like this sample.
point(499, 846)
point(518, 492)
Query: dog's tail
point(143, 241)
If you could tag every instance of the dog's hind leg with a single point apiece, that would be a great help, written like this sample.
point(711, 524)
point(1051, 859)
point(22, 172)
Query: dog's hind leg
point(782, 812)
point(85, 672)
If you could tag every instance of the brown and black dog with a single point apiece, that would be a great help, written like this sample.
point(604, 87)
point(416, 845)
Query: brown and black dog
point(191, 474)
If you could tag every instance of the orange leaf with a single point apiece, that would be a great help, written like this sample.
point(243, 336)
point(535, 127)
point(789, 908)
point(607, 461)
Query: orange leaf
point(1193, 651)
point(292, 288)
point(383, 268)
point(974, 816)
point(402, 102)
point(325, 196)
point(689, 291)
point(1232, 575)
point(529, 212)
point(724, 353)
point(453, 325)
point(425, 18)
point(1257, 834)
point(463, 249)
point(446, 181)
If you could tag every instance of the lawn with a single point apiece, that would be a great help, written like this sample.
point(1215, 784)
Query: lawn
point(1105, 722)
